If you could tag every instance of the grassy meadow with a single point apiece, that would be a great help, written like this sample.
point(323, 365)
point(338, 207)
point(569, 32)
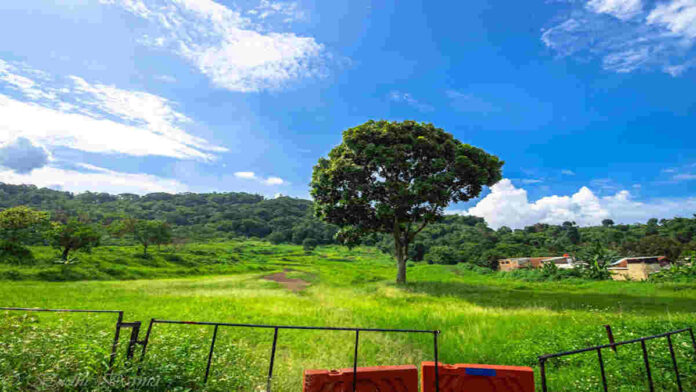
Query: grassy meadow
point(484, 318)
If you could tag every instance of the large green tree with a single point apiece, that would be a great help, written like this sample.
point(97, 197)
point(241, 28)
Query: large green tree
point(72, 236)
point(396, 178)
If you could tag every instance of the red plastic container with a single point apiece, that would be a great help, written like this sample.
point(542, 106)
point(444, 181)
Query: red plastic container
point(370, 379)
point(477, 378)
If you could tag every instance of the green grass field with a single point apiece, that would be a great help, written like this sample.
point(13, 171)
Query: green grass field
point(484, 318)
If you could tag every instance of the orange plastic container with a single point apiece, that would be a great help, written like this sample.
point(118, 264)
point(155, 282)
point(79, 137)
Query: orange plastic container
point(477, 378)
point(370, 379)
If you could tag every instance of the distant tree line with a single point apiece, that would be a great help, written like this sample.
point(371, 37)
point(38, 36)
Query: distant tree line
point(72, 221)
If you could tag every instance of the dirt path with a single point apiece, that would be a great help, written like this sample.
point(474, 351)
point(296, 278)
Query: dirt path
point(294, 285)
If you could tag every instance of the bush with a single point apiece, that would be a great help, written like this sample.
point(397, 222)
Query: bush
point(677, 272)
point(13, 253)
point(474, 268)
point(309, 244)
point(441, 255)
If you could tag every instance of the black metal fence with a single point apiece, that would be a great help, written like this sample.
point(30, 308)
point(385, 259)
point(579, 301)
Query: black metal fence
point(277, 328)
point(135, 329)
point(613, 345)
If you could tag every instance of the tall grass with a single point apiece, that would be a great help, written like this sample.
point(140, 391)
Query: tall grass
point(483, 319)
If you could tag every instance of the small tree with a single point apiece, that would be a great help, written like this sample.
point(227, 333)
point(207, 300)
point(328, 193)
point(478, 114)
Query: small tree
point(145, 232)
point(597, 260)
point(396, 178)
point(17, 227)
point(309, 244)
point(73, 236)
point(17, 224)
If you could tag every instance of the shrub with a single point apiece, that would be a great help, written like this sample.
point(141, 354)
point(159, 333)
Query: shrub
point(309, 244)
point(14, 253)
point(441, 255)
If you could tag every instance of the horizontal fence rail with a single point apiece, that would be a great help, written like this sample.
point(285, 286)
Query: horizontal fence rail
point(277, 328)
point(613, 346)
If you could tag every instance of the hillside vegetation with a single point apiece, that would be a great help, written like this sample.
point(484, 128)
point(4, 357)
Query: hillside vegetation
point(455, 239)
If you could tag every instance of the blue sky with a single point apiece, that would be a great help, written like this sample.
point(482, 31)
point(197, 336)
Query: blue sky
point(591, 103)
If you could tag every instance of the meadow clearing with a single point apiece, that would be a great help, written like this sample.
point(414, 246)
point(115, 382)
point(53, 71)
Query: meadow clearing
point(484, 318)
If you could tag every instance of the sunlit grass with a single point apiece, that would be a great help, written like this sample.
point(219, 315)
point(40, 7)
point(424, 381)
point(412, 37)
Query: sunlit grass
point(483, 318)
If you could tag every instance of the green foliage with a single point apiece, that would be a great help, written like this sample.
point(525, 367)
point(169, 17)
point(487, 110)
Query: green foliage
point(441, 255)
point(683, 271)
point(16, 254)
point(19, 225)
point(73, 236)
point(396, 178)
point(196, 217)
point(309, 244)
point(144, 232)
point(597, 260)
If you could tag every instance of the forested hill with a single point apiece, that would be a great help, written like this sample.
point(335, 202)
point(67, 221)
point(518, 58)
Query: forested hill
point(193, 216)
point(209, 216)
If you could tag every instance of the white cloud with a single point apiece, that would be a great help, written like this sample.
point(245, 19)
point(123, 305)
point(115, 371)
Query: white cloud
point(273, 181)
point(622, 9)
point(234, 51)
point(508, 205)
point(401, 97)
point(531, 181)
point(636, 37)
point(684, 177)
point(678, 16)
point(568, 172)
point(165, 78)
point(93, 178)
point(247, 175)
point(288, 11)
point(94, 117)
point(22, 156)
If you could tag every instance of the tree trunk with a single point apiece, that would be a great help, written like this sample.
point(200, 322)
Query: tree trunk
point(401, 256)
point(401, 265)
point(65, 253)
point(144, 250)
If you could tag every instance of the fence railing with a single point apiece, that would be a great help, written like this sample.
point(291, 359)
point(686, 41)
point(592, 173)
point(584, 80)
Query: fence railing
point(135, 329)
point(119, 324)
point(277, 328)
point(613, 345)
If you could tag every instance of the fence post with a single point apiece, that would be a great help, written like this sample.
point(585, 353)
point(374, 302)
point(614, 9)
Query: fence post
point(114, 346)
point(355, 361)
point(210, 354)
point(647, 365)
point(270, 367)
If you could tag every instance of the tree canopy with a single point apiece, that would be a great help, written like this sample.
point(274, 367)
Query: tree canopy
point(396, 178)
point(72, 236)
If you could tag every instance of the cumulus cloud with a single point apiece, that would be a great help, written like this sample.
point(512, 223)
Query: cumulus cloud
point(627, 35)
point(22, 156)
point(236, 51)
point(407, 98)
point(92, 178)
point(93, 117)
point(568, 172)
point(247, 175)
point(508, 205)
point(622, 9)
